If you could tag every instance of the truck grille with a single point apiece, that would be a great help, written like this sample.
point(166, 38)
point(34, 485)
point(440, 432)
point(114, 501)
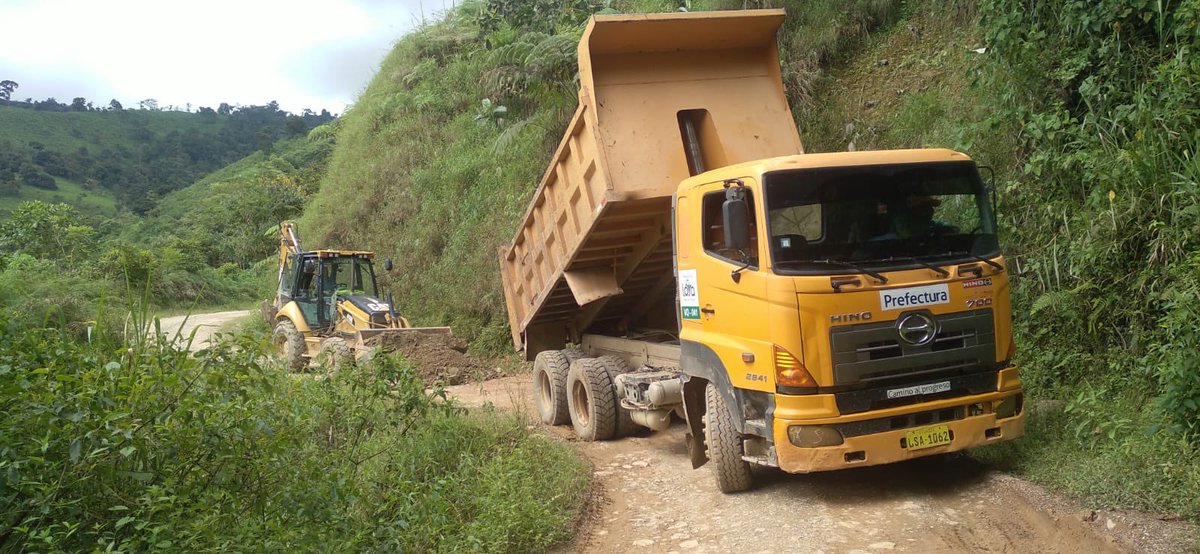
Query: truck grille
point(872, 354)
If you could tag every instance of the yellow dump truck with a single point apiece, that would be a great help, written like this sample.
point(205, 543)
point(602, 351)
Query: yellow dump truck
point(808, 312)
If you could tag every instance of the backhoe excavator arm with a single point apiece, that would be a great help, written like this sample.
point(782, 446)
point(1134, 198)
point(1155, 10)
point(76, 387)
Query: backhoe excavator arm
point(289, 244)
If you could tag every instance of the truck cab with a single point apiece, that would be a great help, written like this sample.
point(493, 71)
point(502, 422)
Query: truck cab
point(860, 297)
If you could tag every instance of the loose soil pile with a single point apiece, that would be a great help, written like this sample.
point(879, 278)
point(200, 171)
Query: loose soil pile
point(437, 358)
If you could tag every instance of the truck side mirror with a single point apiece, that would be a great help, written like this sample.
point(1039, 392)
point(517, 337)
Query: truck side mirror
point(387, 264)
point(737, 219)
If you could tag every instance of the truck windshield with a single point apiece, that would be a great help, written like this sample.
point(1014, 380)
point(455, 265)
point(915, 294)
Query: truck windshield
point(843, 219)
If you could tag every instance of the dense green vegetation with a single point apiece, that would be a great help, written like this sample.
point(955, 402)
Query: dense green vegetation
point(1086, 112)
point(1087, 115)
point(209, 244)
point(127, 445)
point(133, 156)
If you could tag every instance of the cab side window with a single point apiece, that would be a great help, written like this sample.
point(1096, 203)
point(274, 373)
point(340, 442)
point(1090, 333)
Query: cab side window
point(714, 230)
point(289, 276)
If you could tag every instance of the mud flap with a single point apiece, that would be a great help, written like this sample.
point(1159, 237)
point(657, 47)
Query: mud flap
point(693, 409)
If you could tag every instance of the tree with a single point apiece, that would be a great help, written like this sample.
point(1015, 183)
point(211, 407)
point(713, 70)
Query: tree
point(295, 126)
point(224, 109)
point(79, 104)
point(46, 231)
point(115, 106)
point(6, 89)
point(34, 176)
point(148, 104)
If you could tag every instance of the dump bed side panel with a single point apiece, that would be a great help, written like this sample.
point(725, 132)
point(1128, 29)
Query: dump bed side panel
point(564, 208)
point(594, 248)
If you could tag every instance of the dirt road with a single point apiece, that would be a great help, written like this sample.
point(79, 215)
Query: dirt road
point(204, 324)
point(650, 500)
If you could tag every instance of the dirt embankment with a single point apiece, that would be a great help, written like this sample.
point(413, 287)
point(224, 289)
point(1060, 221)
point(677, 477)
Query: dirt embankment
point(440, 359)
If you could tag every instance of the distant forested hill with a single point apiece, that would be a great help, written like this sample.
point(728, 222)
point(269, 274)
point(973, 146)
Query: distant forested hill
point(110, 159)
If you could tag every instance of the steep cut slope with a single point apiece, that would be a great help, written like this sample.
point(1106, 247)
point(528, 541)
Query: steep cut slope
point(439, 155)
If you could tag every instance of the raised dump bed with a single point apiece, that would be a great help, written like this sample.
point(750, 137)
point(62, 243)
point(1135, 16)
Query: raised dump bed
point(662, 97)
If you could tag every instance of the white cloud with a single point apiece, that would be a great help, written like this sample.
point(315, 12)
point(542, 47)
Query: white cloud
point(303, 53)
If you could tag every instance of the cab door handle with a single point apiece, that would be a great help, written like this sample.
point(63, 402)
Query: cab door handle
point(707, 310)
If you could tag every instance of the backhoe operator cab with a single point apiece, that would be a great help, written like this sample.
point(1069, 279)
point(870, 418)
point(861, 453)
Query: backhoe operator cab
point(315, 280)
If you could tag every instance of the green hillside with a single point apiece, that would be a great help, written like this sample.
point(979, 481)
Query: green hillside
point(226, 217)
point(134, 157)
point(70, 131)
point(1086, 112)
point(94, 202)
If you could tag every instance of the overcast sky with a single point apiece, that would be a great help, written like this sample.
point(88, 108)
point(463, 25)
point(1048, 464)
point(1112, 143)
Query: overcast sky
point(316, 54)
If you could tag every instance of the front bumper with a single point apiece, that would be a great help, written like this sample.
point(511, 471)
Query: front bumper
point(887, 447)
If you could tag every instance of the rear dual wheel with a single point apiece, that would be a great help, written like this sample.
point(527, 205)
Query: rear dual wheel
point(550, 370)
point(569, 388)
point(592, 400)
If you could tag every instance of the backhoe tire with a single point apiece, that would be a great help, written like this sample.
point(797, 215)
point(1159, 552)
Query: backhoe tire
point(550, 370)
point(365, 355)
point(591, 400)
point(335, 355)
point(724, 445)
point(289, 344)
point(616, 366)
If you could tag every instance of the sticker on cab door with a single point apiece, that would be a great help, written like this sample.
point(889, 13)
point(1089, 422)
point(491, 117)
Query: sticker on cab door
point(689, 294)
point(914, 297)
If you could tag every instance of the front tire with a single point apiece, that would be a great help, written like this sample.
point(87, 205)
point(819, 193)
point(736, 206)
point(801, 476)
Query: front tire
point(550, 370)
point(335, 355)
point(591, 400)
point(724, 445)
point(289, 343)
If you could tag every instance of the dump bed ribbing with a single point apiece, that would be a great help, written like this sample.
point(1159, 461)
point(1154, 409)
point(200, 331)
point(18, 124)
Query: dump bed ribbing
point(594, 247)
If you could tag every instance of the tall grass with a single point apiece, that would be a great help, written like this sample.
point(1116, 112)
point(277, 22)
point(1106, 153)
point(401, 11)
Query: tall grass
point(127, 443)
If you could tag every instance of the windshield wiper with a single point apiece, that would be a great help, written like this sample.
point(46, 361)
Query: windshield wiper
point(879, 276)
point(911, 259)
point(994, 265)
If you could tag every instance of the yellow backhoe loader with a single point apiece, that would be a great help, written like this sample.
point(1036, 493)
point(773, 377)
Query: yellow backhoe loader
point(327, 306)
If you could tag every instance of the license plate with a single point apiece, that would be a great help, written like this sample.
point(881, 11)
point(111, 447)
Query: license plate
point(928, 437)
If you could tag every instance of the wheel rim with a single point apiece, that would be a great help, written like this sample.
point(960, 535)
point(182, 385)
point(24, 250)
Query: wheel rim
point(281, 344)
point(544, 388)
point(582, 408)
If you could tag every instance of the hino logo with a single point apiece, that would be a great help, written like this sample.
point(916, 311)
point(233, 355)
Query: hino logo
point(848, 318)
point(916, 329)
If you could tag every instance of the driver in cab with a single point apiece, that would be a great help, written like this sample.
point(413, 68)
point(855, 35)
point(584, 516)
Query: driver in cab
point(912, 218)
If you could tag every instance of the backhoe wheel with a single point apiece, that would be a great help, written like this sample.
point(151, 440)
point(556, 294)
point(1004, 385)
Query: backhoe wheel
point(591, 400)
point(724, 444)
point(289, 343)
point(616, 366)
point(335, 355)
point(365, 355)
point(550, 370)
